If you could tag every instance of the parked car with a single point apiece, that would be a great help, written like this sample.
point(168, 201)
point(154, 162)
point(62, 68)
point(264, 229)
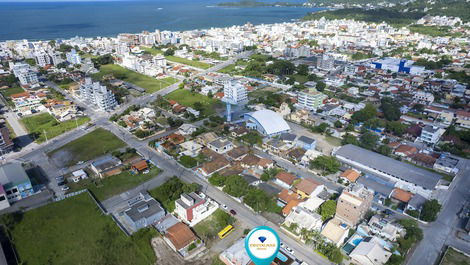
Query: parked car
point(224, 207)
point(233, 212)
point(65, 188)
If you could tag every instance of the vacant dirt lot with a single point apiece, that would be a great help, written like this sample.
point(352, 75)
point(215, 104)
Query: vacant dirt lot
point(166, 256)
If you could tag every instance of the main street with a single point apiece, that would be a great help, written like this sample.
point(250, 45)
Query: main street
point(169, 167)
point(440, 233)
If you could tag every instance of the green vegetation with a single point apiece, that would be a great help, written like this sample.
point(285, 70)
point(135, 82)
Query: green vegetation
point(430, 210)
point(152, 51)
point(327, 209)
point(194, 100)
point(74, 231)
point(433, 31)
point(252, 138)
point(7, 92)
point(44, 125)
point(171, 190)
point(209, 228)
point(187, 161)
point(453, 257)
point(212, 55)
point(259, 201)
point(327, 164)
point(192, 63)
point(367, 113)
point(236, 186)
point(270, 173)
point(89, 146)
point(107, 187)
point(150, 84)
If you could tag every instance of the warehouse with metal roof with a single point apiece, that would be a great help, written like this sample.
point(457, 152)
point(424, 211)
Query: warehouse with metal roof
point(267, 122)
point(405, 176)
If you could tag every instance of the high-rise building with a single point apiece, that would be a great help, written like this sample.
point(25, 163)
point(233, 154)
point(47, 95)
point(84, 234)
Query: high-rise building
point(42, 58)
point(24, 73)
point(310, 99)
point(353, 204)
point(325, 62)
point(234, 94)
point(97, 95)
point(73, 57)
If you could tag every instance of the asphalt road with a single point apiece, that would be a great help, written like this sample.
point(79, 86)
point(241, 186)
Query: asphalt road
point(440, 233)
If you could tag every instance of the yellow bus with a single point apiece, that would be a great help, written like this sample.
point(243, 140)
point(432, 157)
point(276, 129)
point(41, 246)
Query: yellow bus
point(227, 230)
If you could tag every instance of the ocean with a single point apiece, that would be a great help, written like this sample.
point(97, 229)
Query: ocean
point(55, 20)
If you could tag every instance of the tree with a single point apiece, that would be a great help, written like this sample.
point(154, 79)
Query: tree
point(302, 69)
point(259, 201)
point(368, 140)
point(252, 138)
point(338, 124)
point(327, 209)
point(384, 150)
point(430, 210)
point(367, 113)
point(188, 162)
point(390, 109)
point(322, 128)
point(396, 127)
point(320, 86)
point(217, 180)
point(328, 164)
point(236, 186)
point(269, 173)
point(349, 139)
point(169, 52)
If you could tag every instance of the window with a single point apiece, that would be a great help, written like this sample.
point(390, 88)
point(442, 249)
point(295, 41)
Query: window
point(2, 198)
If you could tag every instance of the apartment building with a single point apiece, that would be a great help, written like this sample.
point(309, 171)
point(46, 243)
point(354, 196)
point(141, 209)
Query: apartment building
point(353, 204)
point(310, 99)
point(193, 208)
point(97, 95)
point(73, 57)
point(24, 73)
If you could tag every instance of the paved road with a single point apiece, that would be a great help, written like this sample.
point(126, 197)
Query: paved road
point(440, 233)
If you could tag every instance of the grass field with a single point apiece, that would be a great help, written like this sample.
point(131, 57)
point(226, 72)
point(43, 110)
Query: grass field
point(152, 51)
point(74, 231)
point(209, 228)
point(228, 69)
point(44, 124)
point(89, 146)
point(188, 99)
point(192, 63)
point(10, 91)
point(453, 257)
point(150, 84)
point(113, 185)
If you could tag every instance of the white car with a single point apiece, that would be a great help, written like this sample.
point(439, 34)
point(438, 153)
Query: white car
point(282, 245)
point(65, 188)
point(224, 207)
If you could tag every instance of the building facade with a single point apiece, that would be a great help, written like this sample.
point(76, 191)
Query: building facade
point(97, 95)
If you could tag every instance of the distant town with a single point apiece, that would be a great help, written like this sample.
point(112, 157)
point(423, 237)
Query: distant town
point(350, 139)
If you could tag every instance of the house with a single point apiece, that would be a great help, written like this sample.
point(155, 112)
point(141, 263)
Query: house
point(238, 153)
point(187, 129)
point(431, 134)
point(143, 211)
point(416, 203)
point(213, 166)
point(335, 231)
point(206, 138)
point(296, 154)
point(312, 203)
point(250, 161)
point(285, 196)
point(191, 148)
point(221, 145)
point(385, 228)
point(107, 166)
point(175, 138)
point(179, 237)
point(79, 175)
point(353, 203)
point(350, 175)
point(369, 252)
point(306, 143)
point(406, 150)
point(15, 183)
point(192, 208)
point(140, 166)
point(265, 163)
point(401, 195)
point(304, 219)
point(284, 179)
point(236, 254)
point(447, 164)
point(239, 131)
point(308, 187)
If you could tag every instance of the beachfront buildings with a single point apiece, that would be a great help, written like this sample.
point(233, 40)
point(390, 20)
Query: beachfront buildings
point(97, 95)
point(24, 73)
point(354, 202)
point(73, 57)
point(310, 99)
